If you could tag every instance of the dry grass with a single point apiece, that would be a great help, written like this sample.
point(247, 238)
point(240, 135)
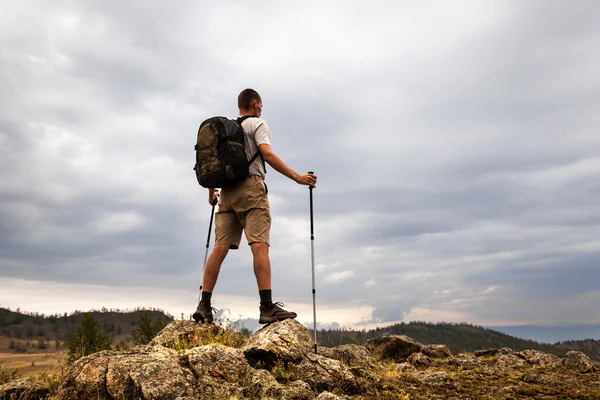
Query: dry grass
point(32, 364)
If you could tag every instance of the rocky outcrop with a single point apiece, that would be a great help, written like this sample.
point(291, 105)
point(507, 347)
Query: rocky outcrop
point(278, 362)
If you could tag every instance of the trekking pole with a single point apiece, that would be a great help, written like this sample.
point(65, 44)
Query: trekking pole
point(212, 214)
point(312, 257)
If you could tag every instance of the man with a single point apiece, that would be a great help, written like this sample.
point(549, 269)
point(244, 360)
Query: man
point(245, 207)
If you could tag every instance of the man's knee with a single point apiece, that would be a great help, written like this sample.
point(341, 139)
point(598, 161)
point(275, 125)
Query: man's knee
point(259, 249)
point(221, 250)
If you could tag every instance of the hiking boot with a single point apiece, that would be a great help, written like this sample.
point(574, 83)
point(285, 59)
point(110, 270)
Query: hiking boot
point(204, 312)
point(274, 313)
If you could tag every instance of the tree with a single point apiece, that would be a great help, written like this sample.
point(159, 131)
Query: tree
point(147, 328)
point(87, 339)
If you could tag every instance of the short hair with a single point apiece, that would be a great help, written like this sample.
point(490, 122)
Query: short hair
point(246, 97)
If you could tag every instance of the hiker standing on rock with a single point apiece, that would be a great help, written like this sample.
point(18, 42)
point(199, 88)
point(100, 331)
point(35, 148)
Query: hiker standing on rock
point(245, 207)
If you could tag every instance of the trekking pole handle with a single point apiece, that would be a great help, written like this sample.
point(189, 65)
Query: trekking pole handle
point(311, 173)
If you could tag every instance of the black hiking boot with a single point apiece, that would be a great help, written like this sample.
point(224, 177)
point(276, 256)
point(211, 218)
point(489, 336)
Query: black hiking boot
point(204, 312)
point(274, 313)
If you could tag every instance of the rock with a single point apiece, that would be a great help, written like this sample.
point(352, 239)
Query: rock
point(464, 360)
point(352, 355)
point(184, 334)
point(438, 378)
point(330, 396)
point(540, 358)
point(509, 362)
point(220, 362)
point(419, 360)
point(437, 351)
point(577, 361)
point(297, 390)
point(286, 341)
point(264, 385)
point(24, 389)
point(532, 378)
point(493, 352)
point(394, 347)
point(405, 367)
point(323, 373)
point(221, 369)
point(149, 372)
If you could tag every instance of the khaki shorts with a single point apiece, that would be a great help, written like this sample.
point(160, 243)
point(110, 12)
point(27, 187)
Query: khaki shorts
point(244, 206)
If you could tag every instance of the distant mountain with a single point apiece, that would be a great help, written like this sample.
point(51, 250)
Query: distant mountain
point(552, 334)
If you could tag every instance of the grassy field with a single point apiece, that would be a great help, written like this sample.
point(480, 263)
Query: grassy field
point(32, 364)
point(32, 360)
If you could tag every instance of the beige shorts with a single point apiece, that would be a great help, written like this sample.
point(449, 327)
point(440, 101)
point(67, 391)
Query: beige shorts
point(244, 206)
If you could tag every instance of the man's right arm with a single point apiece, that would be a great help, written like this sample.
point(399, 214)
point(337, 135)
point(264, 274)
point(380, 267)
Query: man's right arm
point(278, 165)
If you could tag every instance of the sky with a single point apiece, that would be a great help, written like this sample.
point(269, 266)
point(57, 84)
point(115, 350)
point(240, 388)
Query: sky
point(456, 144)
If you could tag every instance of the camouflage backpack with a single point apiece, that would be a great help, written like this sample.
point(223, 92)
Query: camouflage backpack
point(221, 159)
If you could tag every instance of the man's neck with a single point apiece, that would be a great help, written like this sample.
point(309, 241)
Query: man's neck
point(250, 113)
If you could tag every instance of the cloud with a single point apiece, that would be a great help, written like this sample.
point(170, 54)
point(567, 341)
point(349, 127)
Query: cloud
point(455, 146)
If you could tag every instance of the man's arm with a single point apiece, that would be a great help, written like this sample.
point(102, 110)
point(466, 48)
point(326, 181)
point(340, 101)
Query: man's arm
point(278, 165)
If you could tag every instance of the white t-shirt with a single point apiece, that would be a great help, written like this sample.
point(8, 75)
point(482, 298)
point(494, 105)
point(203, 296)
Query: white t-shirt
point(256, 133)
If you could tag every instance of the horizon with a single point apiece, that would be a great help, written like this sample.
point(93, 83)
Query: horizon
point(537, 333)
point(456, 146)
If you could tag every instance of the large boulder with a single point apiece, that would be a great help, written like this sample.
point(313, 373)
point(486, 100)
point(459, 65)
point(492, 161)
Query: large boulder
point(577, 361)
point(24, 389)
point(283, 341)
point(394, 347)
point(149, 372)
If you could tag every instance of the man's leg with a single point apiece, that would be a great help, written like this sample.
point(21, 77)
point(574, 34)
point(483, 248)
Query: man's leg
point(209, 279)
point(262, 265)
point(269, 311)
point(213, 266)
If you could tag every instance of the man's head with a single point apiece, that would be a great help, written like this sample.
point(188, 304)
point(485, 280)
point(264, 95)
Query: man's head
point(250, 103)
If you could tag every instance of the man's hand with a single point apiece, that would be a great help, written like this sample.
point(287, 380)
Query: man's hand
point(308, 180)
point(213, 196)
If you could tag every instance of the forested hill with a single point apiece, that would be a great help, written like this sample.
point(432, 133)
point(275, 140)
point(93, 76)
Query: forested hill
point(461, 337)
point(116, 323)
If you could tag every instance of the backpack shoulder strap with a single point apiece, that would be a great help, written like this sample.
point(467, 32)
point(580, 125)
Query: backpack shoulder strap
point(241, 119)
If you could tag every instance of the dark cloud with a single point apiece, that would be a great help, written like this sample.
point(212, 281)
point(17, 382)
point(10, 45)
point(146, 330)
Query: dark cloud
point(456, 149)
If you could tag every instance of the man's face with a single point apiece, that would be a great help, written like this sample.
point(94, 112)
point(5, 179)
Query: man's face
point(257, 107)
